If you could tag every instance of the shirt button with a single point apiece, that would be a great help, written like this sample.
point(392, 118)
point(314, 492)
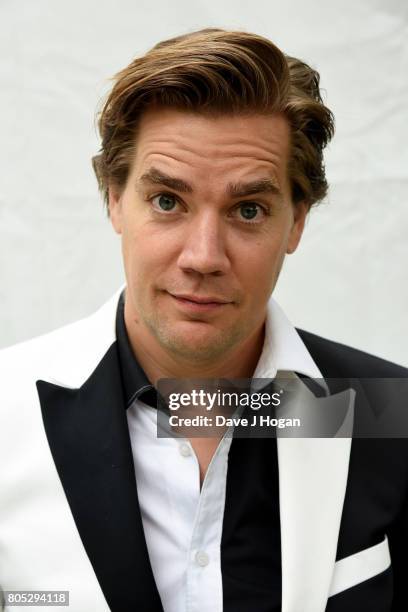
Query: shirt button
point(185, 450)
point(202, 559)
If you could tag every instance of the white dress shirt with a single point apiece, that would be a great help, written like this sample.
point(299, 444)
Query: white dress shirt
point(183, 525)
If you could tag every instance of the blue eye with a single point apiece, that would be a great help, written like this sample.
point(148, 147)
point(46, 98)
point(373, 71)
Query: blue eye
point(249, 210)
point(165, 201)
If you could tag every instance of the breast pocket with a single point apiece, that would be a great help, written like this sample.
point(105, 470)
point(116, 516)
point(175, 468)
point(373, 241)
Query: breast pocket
point(361, 566)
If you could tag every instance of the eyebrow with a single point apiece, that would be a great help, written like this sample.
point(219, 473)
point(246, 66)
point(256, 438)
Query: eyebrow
point(160, 178)
point(235, 190)
point(265, 185)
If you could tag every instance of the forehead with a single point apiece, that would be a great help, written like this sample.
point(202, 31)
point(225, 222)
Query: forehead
point(224, 147)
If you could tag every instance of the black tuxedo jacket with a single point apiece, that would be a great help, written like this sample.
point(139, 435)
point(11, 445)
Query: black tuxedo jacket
point(69, 512)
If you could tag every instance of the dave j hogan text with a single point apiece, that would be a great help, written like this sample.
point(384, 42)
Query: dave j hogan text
point(257, 420)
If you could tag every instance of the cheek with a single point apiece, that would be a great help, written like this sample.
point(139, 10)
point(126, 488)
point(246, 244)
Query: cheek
point(260, 266)
point(146, 258)
point(262, 257)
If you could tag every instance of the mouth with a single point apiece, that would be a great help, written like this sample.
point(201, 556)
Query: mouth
point(200, 303)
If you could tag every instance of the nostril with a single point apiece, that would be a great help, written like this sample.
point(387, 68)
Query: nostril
point(204, 260)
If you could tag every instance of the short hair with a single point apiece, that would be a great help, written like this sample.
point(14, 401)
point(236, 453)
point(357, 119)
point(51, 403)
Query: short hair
point(217, 72)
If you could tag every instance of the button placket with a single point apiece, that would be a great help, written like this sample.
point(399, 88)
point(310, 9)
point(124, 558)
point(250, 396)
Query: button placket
point(201, 558)
point(185, 450)
point(204, 580)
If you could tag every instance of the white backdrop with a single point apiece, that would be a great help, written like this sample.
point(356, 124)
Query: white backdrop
point(59, 259)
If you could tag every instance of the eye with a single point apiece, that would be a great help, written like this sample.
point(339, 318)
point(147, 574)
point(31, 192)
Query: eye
point(251, 211)
point(164, 202)
point(248, 210)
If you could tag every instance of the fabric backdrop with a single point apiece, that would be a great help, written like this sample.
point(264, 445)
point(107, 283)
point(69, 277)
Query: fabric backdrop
point(59, 258)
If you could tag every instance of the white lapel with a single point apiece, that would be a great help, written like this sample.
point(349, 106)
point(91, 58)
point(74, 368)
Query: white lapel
point(312, 483)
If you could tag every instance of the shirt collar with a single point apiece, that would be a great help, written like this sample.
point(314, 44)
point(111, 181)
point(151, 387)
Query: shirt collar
point(283, 353)
point(283, 349)
point(136, 385)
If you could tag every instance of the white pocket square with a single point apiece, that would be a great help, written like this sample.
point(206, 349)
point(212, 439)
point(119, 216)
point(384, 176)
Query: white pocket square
point(361, 566)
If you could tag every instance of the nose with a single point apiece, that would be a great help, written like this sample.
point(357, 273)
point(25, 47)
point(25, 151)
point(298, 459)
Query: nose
point(204, 246)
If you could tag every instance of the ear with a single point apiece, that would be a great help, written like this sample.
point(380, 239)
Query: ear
point(115, 208)
point(300, 211)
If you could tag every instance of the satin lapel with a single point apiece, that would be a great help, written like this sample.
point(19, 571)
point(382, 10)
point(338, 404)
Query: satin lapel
point(88, 436)
point(312, 483)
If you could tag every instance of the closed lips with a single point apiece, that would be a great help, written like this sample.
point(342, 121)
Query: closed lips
point(201, 300)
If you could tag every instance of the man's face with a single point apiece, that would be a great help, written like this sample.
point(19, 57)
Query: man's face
point(206, 219)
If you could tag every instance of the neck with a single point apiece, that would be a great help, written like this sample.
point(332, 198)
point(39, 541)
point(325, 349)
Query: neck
point(157, 362)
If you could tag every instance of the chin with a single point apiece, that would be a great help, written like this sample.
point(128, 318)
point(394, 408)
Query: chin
point(197, 342)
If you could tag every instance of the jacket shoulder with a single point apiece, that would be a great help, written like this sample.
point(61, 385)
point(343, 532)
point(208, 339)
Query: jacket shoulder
point(31, 358)
point(65, 356)
point(339, 360)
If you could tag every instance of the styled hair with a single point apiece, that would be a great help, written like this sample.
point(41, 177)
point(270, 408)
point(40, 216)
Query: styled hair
point(217, 72)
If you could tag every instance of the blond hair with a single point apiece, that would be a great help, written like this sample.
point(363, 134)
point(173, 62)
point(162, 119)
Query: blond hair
point(218, 72)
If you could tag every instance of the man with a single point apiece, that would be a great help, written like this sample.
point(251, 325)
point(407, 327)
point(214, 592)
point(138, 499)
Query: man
point(211, 158)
